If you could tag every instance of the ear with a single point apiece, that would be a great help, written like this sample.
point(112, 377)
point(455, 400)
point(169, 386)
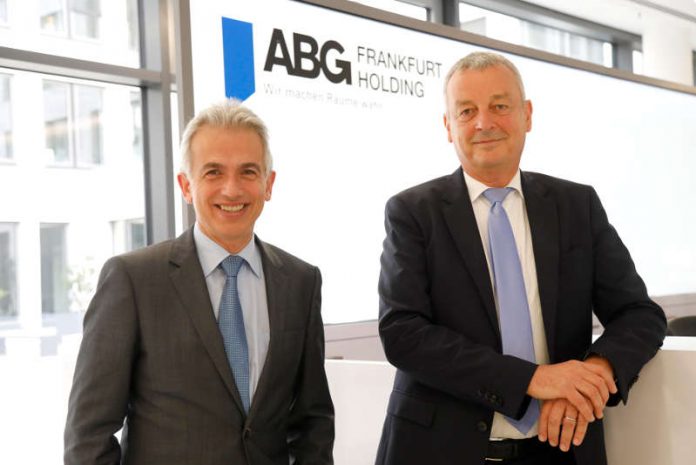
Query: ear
point(528, 114)
point(269, 185)
point(446, 121)
point(185, 186)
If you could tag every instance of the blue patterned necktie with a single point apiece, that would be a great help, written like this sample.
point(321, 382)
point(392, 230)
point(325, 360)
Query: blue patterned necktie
point(231, 323)
point(515, 322)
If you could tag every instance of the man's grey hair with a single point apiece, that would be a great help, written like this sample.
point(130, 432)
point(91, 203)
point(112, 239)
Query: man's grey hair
point(481, 61)
point(228, 114)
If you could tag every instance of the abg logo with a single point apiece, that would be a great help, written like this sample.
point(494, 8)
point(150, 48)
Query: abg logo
point(307, 60)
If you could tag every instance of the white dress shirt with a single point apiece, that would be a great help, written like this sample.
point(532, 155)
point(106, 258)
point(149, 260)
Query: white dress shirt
point(252, 296)
point(517, 214)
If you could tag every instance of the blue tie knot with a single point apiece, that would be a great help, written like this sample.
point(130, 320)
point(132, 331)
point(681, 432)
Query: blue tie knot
point(231, 265)
point(497, 194)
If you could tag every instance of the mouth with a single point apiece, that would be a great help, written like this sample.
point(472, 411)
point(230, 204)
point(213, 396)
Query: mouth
point(231, 208)
point(487, 141)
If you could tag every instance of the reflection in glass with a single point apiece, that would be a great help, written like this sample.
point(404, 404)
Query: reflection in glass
point(54, 270)
point(5, 118)
point(8, 273)
point(56, 120)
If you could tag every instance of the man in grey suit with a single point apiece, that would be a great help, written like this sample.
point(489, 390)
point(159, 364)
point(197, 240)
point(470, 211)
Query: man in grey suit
point(204, 366)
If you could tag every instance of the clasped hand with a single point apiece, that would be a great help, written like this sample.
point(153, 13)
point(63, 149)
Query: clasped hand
point(574, 393)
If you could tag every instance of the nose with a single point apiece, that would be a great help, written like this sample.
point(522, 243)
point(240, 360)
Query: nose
point(232, 186)
point(484, 120)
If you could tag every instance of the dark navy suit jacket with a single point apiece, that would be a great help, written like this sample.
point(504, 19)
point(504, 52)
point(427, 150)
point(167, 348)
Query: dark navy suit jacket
point(439, 327)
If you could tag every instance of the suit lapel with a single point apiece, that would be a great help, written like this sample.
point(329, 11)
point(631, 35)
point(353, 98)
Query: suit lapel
point(276, 289)
point(543, 222)
point(188, 280)
point(460, 219)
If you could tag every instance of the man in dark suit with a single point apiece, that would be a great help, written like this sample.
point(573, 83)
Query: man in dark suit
point(207, 364)
point(465, 390)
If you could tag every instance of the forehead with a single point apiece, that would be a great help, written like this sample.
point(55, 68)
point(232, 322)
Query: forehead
point(482, 84)
point(226, 145)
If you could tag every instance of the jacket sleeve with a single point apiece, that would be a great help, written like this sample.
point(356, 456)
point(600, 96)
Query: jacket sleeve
point(634, 325)
point(433, 354)
point(311, 421)
point(99, 397)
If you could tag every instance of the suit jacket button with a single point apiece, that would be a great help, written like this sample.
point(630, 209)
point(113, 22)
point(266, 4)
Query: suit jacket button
point(482, 426)
point(246, 433)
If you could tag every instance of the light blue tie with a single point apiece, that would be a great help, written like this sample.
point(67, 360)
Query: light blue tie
point(231, 323)
point(515, 322)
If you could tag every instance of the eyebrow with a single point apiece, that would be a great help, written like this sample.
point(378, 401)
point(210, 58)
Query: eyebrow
point(460, 103)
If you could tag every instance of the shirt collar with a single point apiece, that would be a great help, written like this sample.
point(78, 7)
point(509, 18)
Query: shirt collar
point(476, 187)
point(210, 253)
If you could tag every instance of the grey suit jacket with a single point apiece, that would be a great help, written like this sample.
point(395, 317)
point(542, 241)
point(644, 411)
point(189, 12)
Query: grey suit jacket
point(152, 354)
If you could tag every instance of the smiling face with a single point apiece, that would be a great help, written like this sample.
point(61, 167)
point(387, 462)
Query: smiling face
point(487, 121)
point(227, 184)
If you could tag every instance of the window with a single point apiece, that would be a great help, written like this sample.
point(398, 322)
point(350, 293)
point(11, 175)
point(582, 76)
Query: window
point(84, 18)
point(3, 11)
point(5, 119)
point(135, 238)
point(80, 17)
point(52, 16)
point(519, 31)
point(78, 107)
point(8, 272)
point(54, 270)
point(133, 26)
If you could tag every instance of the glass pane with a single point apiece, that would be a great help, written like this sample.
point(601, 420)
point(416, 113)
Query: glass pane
point(54, 272)
point(136, 113)
point(8, 272)
point(56, 121)
point(81, 29)
point(55, 235)
point(88, 125)
point(5, 118)
point(52, 15)
point(136, 234)
point(518, 31)
point(85, 16)
point(3, 11)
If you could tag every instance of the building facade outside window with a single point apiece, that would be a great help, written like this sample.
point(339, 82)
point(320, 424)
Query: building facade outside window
point(78, 19)
point(78, 107)
point(72, 165)
point(93, 30)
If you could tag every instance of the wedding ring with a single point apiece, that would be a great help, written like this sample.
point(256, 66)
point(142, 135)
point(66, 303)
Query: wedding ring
point(572, 420)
